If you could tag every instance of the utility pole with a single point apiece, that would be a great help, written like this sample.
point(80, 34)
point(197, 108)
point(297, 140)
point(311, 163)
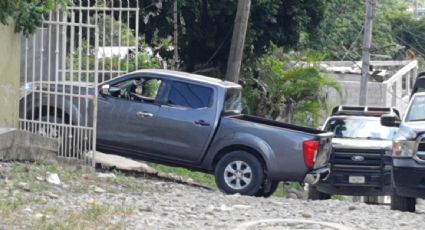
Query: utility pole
point(176, 50)
point(238, 41)
point(367, 40)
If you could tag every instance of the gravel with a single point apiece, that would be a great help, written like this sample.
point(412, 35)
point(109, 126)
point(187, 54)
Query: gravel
point(141, 203)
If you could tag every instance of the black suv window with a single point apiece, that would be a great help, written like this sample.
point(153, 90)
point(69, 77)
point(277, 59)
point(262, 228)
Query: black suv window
point(189, 95)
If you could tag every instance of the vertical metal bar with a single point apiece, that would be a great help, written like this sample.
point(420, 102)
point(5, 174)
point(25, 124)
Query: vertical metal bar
point(119, 38)
point(111, 67)
point(40, 110)
point(25, 115)
point(71, 91)
point(56, 77)
point(64, 123)
point(49, 59)
point(80, 58)
point(137, 37)
point(33, 80)
point(128, 36)
point(95, 99)
point(104, 41)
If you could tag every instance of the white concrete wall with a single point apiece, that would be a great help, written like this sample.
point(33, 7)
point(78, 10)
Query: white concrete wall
point(10, 44)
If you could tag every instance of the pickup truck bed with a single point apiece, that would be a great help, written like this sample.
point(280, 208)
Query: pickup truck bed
point(279, 144)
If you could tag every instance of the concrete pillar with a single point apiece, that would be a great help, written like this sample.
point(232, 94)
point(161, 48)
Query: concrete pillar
point(10, 44)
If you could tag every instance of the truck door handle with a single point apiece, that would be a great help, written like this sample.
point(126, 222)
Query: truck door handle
point(144, 114)
point(201, 123)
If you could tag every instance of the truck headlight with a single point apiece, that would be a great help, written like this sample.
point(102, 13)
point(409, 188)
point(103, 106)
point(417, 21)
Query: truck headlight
point(404, 148)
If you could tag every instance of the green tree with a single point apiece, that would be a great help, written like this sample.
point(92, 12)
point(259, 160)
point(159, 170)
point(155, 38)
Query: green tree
point(205, 28)
point(28, 14)
point(288, 87)
point(340, 32)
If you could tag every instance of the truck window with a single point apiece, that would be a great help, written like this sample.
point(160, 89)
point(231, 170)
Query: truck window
point(189, 95)
point(417, 109)
point(360, 128)
point(137, 89)
point(233, 101)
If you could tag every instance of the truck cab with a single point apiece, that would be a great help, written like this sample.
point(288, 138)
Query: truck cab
point(360, 161)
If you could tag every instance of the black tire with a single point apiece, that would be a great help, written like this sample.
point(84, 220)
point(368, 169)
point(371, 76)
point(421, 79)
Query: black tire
point(268, 188)
point(229, 162)
point(402, 203)
point(314, 194)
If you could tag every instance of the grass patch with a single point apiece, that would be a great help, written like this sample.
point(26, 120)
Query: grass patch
point(94, 216)
point(198, 177)
point(283, 190)
point(338, 197)
point(12, 204)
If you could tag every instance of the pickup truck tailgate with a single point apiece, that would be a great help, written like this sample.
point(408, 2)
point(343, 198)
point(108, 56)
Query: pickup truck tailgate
point(324, 153)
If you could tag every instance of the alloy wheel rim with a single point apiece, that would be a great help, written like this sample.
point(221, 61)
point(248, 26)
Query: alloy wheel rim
point(238, 175)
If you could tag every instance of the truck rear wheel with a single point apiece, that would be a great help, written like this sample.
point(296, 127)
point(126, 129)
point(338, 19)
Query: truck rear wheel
point(268, 188)
point(314, 194)
point(402, 203)
point(239, 172)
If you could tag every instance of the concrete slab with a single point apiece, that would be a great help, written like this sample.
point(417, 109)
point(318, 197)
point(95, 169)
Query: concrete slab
point(128, 165)
point(18, 145)
point(121, 163)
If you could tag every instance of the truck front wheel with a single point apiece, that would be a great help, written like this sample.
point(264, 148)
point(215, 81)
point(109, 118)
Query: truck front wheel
point(239, 172)
point(402, 203)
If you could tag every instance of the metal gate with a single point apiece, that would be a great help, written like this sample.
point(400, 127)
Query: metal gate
point(59, 85)
point(63, 63)
point(118, 26)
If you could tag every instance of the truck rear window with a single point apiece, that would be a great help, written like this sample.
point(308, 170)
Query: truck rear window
point(233, 100)
point(189, 95)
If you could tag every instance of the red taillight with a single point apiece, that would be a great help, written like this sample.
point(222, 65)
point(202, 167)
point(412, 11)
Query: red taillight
point(310, 151)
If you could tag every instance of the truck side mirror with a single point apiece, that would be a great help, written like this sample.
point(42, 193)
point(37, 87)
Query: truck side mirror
point(390, 120)
point(105, 90)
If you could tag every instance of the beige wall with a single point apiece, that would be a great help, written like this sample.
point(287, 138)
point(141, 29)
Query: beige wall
point(10, 44)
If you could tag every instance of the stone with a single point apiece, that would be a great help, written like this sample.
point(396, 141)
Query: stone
point(225, 208)
point(99, 190)
point(292, 196)
point(53, 178)
point(145, 209)
point(106, 175)
point(351, 208)
point(52, 195)
point(241, 206)
point(306, 215)
point(24, 186)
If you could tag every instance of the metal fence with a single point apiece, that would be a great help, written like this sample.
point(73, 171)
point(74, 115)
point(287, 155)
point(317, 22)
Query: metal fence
point(62, 65)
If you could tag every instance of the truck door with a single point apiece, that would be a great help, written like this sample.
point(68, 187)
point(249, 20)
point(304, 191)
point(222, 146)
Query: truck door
point(185, 122)
point(128, 114)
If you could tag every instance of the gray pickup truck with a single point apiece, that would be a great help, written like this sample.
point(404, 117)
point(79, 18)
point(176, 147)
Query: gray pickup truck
point(193, 121)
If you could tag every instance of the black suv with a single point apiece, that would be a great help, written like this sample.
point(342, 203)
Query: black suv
point(360, 161)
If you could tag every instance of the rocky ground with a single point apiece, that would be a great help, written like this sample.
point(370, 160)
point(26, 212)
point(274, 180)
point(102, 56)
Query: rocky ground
point(34, 196)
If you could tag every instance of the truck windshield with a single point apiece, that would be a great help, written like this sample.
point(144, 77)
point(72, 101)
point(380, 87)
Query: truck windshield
point(367, 128)
point(417, 109)
point(233, 100)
